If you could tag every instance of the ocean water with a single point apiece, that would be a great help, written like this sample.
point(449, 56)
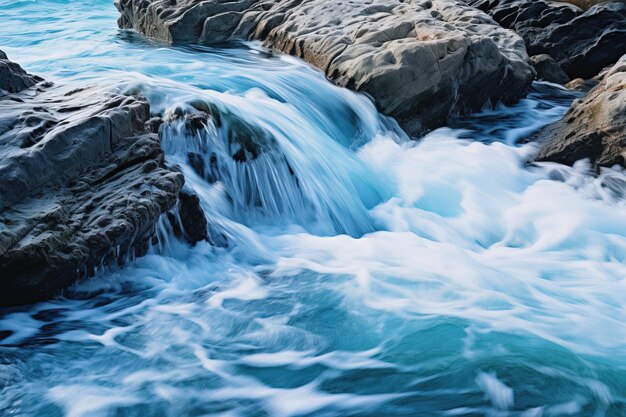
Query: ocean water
point(354, 272)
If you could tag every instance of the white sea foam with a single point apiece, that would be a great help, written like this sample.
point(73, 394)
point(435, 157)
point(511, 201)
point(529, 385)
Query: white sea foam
point(498, 393)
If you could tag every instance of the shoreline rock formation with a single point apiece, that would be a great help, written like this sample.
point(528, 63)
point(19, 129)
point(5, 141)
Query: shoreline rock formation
point(594, 127)
point(82, 183)
point(583, 42)
point(420, 60)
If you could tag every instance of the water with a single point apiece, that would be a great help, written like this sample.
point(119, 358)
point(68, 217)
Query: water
point(355, 273)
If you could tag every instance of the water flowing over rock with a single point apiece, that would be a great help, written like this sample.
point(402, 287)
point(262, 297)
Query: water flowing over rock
point(583, 42)
point(594, 127)
point(81, 184)
point(259, 176)
point(421, 61)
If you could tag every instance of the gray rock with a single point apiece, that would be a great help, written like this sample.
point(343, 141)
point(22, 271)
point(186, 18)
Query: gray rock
point(421, 61)
point(13, 78)
point(594, 127)
point(548, 69)
point(154, 124)
point(81, 185)
point(581, 41)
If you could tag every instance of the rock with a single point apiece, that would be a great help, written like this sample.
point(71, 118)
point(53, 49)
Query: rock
point(81, 185)
point(421, 61)
point(581, 41)
point(192, 217)
point(587, 4)
point(594, 127)
point(548, 69)
point(154, 124)
point(579, 84)
point(13, 78)
point(576, 84)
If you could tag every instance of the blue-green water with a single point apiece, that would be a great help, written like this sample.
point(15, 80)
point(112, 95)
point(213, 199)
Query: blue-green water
point(439, 278)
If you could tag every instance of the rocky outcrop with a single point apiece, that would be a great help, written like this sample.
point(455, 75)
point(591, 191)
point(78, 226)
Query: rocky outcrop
point(594, 127)
point(81, 184)
point(420, 60)
point(583, 42)
point(13, 78)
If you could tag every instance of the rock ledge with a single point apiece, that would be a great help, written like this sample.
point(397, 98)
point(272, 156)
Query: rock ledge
point(82, 184)
point(421, 61)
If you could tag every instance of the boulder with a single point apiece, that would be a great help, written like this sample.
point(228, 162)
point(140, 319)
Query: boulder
point(581, 41)
point(594, 127)
point(421, 61)
point(548, 69)
point(82, 184)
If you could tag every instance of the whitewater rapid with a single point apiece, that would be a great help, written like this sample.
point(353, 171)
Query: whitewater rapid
point(353, 272)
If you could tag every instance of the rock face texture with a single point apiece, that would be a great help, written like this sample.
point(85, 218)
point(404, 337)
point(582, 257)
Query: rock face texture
point(586, 4)
point(13, 78)
point(594, 127)
point(583, 42)
point(81, 184)
point(420, 60)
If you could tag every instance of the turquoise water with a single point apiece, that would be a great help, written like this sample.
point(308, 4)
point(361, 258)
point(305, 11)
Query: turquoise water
point(383, 277)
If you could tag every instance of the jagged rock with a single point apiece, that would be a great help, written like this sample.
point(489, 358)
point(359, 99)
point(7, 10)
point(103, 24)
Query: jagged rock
point(13, 78)
point(581, 41)
point(81, 184)
point(153, 124)
point(421, 61)
point(548, 69)
point(594, 127)
point(587, 4)
point(192, 217)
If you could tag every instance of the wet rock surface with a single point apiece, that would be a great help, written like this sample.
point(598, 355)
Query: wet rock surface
point(583, 42)
point(82, 184)
point(421, 61)
point(14, 78)
point(594, 127)
point(192, 216)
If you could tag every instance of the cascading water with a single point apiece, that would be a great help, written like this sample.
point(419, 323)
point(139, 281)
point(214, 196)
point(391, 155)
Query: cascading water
point(267, 169)
point(359, 273)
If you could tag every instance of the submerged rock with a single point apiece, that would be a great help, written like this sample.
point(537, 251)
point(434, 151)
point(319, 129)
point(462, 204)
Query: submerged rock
point(421, 61)
point(594, 127)
point(81, 184)
point(581, 41)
